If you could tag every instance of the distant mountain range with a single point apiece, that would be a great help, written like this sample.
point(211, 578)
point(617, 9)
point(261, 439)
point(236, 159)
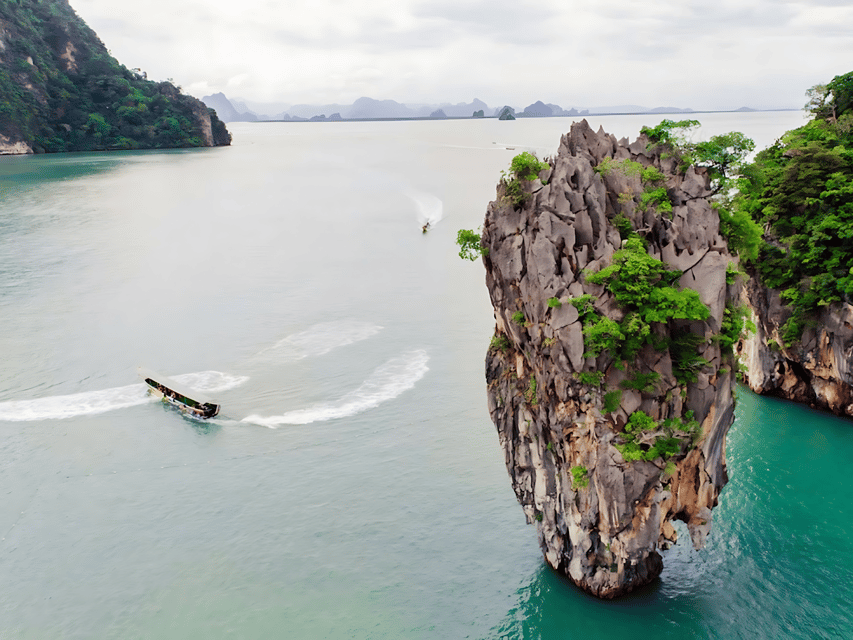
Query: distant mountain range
point(238, 110)
point(362, 109)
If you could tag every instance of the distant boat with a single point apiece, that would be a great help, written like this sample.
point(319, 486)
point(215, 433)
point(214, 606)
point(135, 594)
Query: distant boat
point(185, 399)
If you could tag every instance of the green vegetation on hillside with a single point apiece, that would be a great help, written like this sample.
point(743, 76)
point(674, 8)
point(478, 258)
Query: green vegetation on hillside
point(723, 154)
point(800, 191)
point(526, 166)
point(63, 91)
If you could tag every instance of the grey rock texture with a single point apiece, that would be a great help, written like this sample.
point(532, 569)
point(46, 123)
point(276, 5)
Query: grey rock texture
point(817, 370)
point(605, 536)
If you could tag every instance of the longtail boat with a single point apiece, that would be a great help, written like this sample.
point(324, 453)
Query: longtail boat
point(185, 399)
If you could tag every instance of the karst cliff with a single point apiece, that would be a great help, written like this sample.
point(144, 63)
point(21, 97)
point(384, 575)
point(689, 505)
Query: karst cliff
point(610, 375)
point(61, 90)
point(816, 370)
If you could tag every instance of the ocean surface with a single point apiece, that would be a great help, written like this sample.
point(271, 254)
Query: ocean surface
point(353, 486)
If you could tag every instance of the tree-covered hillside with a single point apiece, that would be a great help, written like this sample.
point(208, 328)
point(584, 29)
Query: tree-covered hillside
point(61, 90)
point(800, 190)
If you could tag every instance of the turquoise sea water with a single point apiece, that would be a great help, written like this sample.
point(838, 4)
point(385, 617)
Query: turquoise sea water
point(353, 486)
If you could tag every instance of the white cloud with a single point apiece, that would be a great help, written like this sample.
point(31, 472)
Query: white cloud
point(660, 52)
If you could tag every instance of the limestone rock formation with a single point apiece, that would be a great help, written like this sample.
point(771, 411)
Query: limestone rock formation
point(601, 519)
point(816, 370)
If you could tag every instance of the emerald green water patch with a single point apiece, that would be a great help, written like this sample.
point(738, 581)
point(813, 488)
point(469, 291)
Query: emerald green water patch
point(777, 563)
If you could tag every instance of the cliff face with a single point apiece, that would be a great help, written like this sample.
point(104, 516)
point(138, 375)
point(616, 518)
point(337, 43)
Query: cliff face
point(816, 370)
point(600, 519)
point(62, 91)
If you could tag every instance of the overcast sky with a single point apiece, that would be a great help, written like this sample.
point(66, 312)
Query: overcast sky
point(715, 54)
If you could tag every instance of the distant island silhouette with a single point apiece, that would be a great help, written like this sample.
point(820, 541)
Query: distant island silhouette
point(239, 110)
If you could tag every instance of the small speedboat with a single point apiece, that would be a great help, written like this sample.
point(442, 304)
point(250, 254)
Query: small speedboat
point(183, 398)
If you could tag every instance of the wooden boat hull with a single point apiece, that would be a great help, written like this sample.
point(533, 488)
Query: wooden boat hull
point(184, 399)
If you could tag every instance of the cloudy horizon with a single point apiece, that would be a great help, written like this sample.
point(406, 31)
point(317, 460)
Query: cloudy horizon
point(657, 53)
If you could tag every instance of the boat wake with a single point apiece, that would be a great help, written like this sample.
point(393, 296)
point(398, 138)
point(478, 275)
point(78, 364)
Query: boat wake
point(385, 383)
point(322, 338)
point(94, 402)
point(430, 208)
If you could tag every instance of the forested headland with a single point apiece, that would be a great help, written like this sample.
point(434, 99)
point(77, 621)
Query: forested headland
point(62, 90)
point(800, 193)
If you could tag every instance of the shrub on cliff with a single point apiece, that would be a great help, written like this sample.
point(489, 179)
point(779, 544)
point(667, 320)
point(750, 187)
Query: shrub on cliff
point(669, 132)
point(723, 154)
point(524, 167)
point(580, 477)
point(470, 245)
point(644, 284)
point(831, 100)
point(671, 435)
point(654, 194)
point(645, 288)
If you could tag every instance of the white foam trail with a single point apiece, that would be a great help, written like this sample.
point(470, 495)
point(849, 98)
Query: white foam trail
point(386, 383)
point(322, 338)
point(210, 381)
point(78, 404)
point(430, 208)
point(94, 402)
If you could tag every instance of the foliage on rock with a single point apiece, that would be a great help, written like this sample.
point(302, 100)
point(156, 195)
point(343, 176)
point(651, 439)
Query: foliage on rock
point(523, 168)
point(526, 166)
point(669, 436)
point(470, 245)
point(644, 287)
point(654, 195)
point(735, 324)
point(580, 477)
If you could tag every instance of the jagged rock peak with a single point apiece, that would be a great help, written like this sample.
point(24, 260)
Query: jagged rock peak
point(566, 416)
